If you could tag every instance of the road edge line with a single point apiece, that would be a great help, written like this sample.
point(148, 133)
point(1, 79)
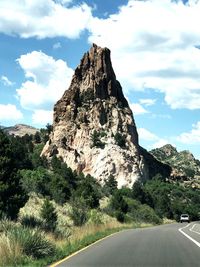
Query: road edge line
point(82, 249)
point(189, 237)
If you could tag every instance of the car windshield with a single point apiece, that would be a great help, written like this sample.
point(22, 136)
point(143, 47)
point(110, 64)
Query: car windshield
point(184, 215)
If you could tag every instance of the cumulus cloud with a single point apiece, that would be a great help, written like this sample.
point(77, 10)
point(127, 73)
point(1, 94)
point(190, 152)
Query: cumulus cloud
point(146, 135)
point(42, 117)
point(155, 44)
point(9, 112)
point(6, 81)
point(138, 109)
point(43, 18)
point(192, 137)
point(154, 140)
point(47, 79)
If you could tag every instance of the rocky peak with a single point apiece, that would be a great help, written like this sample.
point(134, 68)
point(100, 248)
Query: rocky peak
point(93, 128)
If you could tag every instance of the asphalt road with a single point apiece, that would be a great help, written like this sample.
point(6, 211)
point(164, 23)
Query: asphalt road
point(150, 247)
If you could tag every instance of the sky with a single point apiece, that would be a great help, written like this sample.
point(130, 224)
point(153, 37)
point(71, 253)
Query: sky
point(155, 52)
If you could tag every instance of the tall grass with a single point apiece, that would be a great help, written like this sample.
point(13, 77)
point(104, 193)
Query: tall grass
point(10, 252)
point(21, 244)
point(32, 241)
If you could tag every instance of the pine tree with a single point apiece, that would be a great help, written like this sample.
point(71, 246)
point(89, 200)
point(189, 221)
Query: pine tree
point(12, 196)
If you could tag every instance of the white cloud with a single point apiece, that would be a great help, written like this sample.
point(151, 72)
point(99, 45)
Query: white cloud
point(57, 45)
point(9, 112)
point(161, 142)
point(42, 117)
point(153, 140)
point(146, 135)
point(147, 101)
point(154, 45)
point(6, 81)
point(47, 80)
point(192, 137)
point(43, 18)
point(138, 109)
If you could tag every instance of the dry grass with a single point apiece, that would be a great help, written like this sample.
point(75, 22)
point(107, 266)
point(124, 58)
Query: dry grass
point(10, 252)
point(78, 233)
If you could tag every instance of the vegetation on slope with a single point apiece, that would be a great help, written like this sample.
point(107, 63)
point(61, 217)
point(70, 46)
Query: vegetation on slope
point(62, 202)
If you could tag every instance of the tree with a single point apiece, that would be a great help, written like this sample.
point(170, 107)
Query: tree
point(49, 215)
point(88, 189)
point(110, 185)
point(79, 211)
point(118, 203)
point(37, 138)
point(12, 196)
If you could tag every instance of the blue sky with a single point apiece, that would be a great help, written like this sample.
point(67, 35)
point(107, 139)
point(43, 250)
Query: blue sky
point(155, 53)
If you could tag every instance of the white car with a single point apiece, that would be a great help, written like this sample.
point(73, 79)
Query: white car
point(184, 218)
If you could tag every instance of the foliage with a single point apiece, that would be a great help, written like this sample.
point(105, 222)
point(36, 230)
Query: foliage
point(31, 221)
point(120, 140)
point(89, 190)
point(118, 202)
point(32, 242)
point(79, 211)
point(96, 140)
point(49, 215)
point(110, 185)
point(12, 196)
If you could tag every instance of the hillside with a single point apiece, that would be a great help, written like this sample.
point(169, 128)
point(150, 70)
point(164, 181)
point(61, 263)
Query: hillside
point(20, 130)
point(183, 163)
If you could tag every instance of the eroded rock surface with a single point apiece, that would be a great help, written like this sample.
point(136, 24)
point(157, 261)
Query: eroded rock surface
point(93, 128)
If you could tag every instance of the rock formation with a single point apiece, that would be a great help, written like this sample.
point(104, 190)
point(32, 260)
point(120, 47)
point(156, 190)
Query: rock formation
point(93, 128)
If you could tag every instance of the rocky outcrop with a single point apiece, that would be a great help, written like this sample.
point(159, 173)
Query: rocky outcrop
point(184, 166)
point(93, 129)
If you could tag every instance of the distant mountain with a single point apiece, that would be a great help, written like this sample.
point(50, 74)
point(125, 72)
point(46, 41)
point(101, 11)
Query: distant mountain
point(183, 163)
point(20, 129)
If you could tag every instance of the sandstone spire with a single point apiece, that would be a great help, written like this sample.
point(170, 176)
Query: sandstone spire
point(93, 129)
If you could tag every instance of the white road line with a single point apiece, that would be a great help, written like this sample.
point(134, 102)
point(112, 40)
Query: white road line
point(191, 229)
point(189, 237)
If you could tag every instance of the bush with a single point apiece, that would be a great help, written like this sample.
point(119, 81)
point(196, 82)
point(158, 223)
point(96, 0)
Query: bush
point(96, 140)
point(118, 203)
point(32, 242)
point(79, 211)
point(119, 216)
point(147, 215)
point(120, 140)
point(95, 217)
point(31, 221)
point(49, 215)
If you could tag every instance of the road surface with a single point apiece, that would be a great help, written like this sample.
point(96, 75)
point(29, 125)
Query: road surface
point(161, 246)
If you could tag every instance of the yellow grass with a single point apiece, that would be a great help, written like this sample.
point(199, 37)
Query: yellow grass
point(10, 252)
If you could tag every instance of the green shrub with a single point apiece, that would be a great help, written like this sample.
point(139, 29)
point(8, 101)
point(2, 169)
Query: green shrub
point(119, 216)
point(79, 211)
point(49, 215)
point(31, 221)
point(96, 140)
point(32, 242)
point(145, 214)
point(120, 140)
point(95, 217)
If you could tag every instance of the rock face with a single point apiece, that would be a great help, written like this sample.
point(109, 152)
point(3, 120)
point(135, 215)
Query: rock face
point(93, 128)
